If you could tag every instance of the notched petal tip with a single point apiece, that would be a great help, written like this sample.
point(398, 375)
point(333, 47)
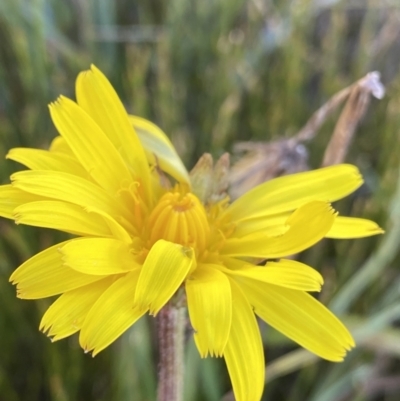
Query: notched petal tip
point(207, 349)
point(317, 287)
point(90, 348)
point(13, 279)
point(94, 69)
point(340, 356)
point(9, 153)
point(84, 343)
point(91, 71)
point(151, 308)
point(58, 102)
point(17, 217)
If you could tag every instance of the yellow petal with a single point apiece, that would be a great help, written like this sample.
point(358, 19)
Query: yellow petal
point(59, 145)
point(159, 149)
point(300, 317)
point(287, 193)
point(244, 354)
point(37, 159)
point(68, 188)
point(90, 145)
point(62, 216)
point(11, 197)
point(98, 98)
point(65, 316)
point(117, 230)
point(351, 227)
point(307, 225)
point(270, 226)
point(285, 273)
point(163, 271)
point(98, 256)
point(209, 301)
point(112, 314)
point(44, 275)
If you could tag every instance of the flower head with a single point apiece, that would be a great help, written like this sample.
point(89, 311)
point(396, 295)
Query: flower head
point(139, 236)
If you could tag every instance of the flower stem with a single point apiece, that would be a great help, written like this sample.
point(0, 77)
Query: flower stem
point(171, 327)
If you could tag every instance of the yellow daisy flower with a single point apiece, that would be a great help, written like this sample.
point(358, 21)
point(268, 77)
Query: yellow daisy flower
point(140, 239)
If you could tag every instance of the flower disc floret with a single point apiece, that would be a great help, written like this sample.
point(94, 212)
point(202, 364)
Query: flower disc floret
point(180, 218)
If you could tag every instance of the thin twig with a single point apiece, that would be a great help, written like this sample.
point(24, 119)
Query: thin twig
point(263, 161)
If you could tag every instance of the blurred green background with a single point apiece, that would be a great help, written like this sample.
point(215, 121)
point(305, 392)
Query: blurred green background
point(210, 73)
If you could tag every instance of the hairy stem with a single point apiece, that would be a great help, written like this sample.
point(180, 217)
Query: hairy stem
point(171, 327)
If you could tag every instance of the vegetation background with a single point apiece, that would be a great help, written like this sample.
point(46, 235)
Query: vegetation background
point(211, 73)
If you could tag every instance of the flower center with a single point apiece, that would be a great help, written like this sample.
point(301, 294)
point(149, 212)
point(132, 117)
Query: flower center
point(180, 218)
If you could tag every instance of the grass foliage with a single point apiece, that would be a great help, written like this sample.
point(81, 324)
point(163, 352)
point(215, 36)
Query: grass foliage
point(211, 73)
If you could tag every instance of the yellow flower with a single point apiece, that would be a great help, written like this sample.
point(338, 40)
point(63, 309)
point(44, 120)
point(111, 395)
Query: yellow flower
point(105, 180)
